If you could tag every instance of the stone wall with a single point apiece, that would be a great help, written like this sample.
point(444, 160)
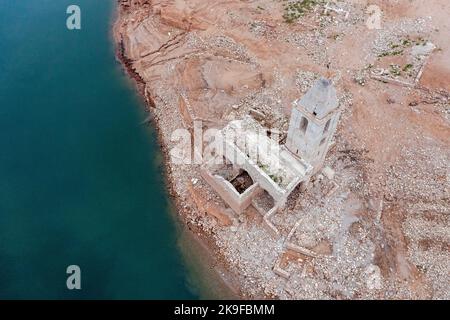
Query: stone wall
point(238, 202)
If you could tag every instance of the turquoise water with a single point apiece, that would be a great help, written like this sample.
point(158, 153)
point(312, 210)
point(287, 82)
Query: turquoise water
point(80, 178)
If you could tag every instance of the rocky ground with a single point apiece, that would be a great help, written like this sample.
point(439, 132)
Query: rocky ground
point(380, 227)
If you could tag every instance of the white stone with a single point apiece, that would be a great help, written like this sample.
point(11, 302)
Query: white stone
point(328, 172)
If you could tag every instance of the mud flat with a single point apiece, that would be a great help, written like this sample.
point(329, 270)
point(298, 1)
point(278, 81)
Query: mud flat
point(380, 227)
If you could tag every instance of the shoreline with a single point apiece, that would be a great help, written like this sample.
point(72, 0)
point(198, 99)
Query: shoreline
point(226, 278)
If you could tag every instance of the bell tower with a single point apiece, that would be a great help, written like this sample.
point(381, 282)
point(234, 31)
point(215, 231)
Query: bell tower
point(313, 123)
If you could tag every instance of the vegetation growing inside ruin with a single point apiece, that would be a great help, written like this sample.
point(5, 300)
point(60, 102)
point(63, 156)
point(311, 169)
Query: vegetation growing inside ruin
point(277, 179)
point(399, 47)
point(390, 53)
point(395, 70)
point(293, 10)
point(407, 67)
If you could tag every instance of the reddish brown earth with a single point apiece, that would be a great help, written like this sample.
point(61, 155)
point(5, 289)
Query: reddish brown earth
point(213, 61)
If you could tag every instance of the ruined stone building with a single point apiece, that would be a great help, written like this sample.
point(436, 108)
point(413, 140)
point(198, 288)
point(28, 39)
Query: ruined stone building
point(314, 119)
point(252, 168)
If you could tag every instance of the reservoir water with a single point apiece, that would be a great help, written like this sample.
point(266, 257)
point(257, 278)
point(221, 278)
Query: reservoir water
point(80, 178)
